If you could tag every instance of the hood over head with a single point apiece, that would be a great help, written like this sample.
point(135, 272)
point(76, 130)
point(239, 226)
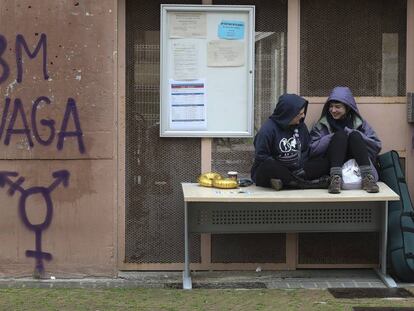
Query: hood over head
point(343, 95)
point(288, 107)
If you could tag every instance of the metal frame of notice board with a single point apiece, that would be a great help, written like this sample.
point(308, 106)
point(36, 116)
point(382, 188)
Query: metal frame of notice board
point(207, 71)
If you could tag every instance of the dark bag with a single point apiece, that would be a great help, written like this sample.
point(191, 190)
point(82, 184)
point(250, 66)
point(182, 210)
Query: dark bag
point(400, 218)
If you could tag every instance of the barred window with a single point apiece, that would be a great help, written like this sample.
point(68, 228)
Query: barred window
point(359, 44)
point(155, 167)
point(231, 154)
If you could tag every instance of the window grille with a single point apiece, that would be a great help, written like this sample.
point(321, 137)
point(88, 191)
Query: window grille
point(155, 167)
point(359, 44)
point(230, 154)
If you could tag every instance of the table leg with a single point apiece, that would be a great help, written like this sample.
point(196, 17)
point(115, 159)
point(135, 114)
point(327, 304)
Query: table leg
point(186, 274)
point(384, 239)
point(382, 272)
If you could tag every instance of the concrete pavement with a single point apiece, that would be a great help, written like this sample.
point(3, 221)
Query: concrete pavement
point(312, 279)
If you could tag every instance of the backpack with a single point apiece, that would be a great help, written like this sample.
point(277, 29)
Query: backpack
point(400, 218)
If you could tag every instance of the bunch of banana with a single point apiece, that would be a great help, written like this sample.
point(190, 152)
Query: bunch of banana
point(206, 179)
point(217, 181)
point(225, 183)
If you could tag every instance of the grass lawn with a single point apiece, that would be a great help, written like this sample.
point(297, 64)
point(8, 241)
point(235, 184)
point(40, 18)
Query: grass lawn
point(179, 300)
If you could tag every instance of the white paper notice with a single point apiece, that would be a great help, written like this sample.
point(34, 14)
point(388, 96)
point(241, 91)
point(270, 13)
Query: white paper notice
point(188, 105)
point(185, 60)
point(187, 25)
point(225, 53)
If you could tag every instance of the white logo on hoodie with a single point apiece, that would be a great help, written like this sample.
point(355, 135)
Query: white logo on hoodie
point(288, 145)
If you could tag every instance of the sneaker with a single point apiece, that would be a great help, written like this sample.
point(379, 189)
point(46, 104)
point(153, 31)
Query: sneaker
point(369, 184)
point(335, 184)
point(276, 184)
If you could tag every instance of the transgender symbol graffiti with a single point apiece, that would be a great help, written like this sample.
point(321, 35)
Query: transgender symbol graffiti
point(61, 176)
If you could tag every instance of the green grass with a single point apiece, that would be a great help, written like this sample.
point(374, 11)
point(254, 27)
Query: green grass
point(179, 300)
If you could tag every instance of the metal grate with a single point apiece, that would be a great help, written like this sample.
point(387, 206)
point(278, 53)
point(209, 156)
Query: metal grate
point(155, 167)
point(360, 44)
point(230, 154)
point(364, 293)
point(276, 217)
point(248, 248)
point(338, 248)
point(271, 15)
point(410, 107)
point(288, 216)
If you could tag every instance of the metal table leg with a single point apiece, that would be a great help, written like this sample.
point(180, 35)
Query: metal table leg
point(382, 272)
point(186, 273)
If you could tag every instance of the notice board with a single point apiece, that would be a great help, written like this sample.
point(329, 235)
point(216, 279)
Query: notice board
point(207, 71)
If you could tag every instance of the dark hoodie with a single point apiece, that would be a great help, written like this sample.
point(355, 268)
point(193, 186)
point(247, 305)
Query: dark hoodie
point(278, 140)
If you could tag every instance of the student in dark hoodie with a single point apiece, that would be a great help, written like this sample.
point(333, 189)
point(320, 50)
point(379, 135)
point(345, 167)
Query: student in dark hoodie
point(341, 134)
point(282, 149)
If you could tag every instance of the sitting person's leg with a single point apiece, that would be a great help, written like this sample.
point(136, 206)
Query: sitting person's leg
point(272, 173)
point(336, 155)
point(272, 169)
point(357, 149)
point(316, 168)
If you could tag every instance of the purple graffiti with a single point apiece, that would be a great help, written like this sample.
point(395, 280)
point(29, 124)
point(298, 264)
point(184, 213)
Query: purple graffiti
point(5, 69)
point(71, 115)
point(21, 44)
point(71, 109)
point(48, 123)
point(61, 176)
point(4, 116)
point(18, 109)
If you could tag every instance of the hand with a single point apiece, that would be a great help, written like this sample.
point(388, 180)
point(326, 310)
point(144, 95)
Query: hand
point(348, 130)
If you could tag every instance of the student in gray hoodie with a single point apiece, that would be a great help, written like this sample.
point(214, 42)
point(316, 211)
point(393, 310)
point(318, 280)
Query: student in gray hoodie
point(282, 149)
point(341, 134)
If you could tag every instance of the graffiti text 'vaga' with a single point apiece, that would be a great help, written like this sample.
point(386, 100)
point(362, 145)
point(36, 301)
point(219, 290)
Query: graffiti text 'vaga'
point(13, 109)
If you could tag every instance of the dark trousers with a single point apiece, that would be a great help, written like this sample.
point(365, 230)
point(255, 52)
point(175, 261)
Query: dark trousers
point(341, 148)
point(271, 168)
point(344, 147)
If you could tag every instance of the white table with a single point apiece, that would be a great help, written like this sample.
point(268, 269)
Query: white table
point(257, 210)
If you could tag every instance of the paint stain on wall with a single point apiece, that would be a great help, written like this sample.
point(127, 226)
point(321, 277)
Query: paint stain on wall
point(61, 177)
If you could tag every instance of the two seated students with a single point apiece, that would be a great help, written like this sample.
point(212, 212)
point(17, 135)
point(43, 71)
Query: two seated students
point(287, 156)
